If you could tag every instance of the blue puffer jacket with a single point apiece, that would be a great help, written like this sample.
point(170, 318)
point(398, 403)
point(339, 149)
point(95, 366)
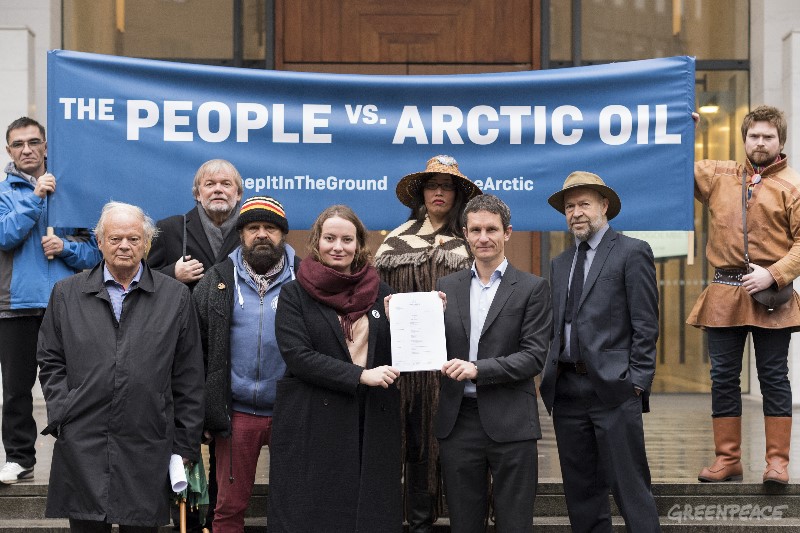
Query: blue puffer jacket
point(26, 275)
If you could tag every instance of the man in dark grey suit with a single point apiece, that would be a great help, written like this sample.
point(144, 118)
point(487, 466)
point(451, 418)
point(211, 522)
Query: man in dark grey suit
point(602, 360)
point(497, 324)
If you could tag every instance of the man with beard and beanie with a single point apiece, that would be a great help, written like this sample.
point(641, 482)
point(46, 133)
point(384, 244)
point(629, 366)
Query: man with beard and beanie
point(236, 302)
point(727, 310)
point(188, 245)
point(602, 360)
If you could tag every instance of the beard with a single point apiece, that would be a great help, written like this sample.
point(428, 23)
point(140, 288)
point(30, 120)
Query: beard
point(215, 207)
point(762, 158)
point(593, 227)
point(263, 254)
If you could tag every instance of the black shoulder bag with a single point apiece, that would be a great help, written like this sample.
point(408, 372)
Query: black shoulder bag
point(772, 297)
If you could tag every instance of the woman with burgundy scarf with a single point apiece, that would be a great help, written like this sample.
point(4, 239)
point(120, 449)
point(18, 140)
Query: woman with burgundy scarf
point(335, 454)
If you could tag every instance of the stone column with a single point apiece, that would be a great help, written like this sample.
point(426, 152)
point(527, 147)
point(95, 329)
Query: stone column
point(17, 90)
point(790, 81)
point(774, 71)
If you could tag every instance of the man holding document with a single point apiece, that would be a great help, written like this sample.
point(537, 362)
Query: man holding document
point(497, 325)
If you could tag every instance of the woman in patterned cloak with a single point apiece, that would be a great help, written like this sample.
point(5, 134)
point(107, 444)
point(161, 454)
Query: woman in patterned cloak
point(411, 259)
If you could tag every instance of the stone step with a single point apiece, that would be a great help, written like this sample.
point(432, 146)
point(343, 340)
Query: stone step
point(682, 504)
point(561, 525)
point(689, 498)
point(48, 526)
point(558, 524)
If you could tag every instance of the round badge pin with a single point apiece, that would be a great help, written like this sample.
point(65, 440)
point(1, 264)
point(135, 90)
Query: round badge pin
point(756, 178)
point(375, 313)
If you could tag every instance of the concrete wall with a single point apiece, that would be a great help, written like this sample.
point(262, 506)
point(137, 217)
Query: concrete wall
point(28, 29)
point(17, 70)
point(42, 20)
point(774, 72)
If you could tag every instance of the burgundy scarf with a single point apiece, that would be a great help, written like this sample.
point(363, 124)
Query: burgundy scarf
point(350, 295)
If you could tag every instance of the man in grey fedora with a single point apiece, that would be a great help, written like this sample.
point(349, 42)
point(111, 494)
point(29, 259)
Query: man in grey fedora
point(597, 377)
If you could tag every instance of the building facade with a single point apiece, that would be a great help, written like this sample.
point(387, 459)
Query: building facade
point(748, 53)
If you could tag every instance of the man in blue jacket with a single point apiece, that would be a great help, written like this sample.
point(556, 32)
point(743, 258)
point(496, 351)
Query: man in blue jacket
point(236, 302)
point(30, 264)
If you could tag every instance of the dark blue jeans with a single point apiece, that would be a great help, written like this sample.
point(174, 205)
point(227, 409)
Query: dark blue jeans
point(725, 347)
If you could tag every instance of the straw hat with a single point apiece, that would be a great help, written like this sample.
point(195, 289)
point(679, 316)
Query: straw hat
point(408, 187)
point(590, 181)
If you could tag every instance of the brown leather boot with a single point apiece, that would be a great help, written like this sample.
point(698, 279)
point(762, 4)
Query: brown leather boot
point(779, 433)
point(728, 447)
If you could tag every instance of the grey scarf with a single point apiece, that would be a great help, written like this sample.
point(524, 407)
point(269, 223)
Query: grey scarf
point(216, 234)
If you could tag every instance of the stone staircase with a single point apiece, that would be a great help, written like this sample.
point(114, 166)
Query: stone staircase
point(684, 506)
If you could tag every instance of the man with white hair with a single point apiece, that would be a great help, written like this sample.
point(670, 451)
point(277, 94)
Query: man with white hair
point(186, 247)
point(121, 368)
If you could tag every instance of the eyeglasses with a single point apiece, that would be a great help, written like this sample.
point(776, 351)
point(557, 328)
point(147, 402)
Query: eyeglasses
point(32, 143)
point(433, 185)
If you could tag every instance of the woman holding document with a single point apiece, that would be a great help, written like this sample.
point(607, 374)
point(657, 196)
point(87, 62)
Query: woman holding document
point(336, 427)
point(411, 259)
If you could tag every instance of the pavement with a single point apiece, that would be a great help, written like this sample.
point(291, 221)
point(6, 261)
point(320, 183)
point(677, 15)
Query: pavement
point(677, 435)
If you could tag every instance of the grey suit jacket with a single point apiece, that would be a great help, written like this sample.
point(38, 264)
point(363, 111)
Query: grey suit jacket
point(512, 350)
point(617, 319)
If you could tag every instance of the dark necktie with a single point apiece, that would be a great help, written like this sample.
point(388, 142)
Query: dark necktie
point(573, 298)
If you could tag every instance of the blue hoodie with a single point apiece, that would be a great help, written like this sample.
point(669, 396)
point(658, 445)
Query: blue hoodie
point(26, 275)
point(256, 361)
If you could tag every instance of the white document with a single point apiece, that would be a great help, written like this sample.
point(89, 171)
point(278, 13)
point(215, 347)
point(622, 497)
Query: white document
point(417, 324)
point(177, 473)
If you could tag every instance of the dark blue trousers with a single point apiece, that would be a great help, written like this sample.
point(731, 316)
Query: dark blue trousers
point(601, 449)
point(725, 348)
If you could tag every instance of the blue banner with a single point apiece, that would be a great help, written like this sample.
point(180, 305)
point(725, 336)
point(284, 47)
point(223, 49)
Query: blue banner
point(136, 131)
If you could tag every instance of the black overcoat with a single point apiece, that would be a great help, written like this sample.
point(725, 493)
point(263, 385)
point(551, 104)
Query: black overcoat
point(121, 396)
point(168, 245)
point(322, 476)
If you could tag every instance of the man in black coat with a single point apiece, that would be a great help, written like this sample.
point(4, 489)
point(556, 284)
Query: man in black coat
point(188, 245)
point(497, 323)
point(602, 360)
point(121, 368)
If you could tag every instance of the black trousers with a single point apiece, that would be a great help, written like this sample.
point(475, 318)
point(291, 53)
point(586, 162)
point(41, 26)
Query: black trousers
point(467, 456)
point(94, 526)
point(725, 347)
point(18, 338)
point(602, 448)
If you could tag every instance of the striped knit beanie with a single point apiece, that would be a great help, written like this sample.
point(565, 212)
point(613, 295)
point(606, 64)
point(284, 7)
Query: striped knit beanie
point(262, 209)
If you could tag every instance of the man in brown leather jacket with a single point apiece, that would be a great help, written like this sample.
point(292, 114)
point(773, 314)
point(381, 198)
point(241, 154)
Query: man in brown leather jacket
point(727, 310)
